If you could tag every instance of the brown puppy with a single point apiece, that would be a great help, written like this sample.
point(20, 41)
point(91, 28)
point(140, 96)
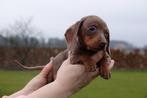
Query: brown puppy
point(88, 42)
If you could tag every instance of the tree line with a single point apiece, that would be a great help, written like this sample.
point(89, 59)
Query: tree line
point(19, 42)
point(23, 34)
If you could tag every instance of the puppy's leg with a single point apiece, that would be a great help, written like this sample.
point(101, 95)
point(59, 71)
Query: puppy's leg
point(104, 66)
point(84, 60)
point(90, 65)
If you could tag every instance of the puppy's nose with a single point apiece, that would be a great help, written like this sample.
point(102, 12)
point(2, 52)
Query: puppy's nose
point(102, 46)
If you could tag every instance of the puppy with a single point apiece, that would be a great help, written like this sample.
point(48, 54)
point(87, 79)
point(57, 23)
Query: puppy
point(88, 43)
point(88, 40)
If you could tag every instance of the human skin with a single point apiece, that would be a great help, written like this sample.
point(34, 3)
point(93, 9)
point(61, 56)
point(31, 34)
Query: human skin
point(70, 79)
point(37, 82)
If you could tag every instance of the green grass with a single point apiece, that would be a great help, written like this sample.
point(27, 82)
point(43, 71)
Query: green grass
point(123, 84)
point(11, 81)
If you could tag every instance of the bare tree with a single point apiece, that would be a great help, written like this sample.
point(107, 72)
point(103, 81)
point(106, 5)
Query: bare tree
point(20, 34)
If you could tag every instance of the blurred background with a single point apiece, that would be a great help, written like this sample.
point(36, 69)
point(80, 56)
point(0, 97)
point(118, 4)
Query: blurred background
point(32, 31)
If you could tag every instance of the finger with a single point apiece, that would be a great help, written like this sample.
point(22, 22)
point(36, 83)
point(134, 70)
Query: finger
point(51, 59)
point(94, 74)
point(69, 54)
point(111, 64)
point(47, 69)
point(67, 61)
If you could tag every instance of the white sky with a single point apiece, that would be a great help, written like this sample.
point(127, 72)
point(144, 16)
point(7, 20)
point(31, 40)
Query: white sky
point(126, 19)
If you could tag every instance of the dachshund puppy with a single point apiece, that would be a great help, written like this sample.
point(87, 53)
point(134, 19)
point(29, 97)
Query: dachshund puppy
point(88, 43)
point(88, 40)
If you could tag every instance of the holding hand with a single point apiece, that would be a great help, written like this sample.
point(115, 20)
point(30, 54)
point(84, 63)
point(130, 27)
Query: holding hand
point(37, 82)
point(74, 77)
point(40, 80)
point(70, 79)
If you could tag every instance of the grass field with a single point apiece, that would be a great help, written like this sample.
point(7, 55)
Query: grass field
point(123, 84)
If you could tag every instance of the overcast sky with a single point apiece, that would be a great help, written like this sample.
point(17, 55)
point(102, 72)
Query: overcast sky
point(126, 19)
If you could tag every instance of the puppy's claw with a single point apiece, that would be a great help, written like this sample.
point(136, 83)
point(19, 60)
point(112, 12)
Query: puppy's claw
point(106, 76)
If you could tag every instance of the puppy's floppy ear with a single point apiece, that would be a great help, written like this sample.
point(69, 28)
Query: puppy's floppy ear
point(71, 33)
point(107, 36)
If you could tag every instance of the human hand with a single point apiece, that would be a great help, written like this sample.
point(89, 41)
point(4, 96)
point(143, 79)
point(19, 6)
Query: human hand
point(37, 82)
point(73, 77)
point(40, 80)
point(70, 78)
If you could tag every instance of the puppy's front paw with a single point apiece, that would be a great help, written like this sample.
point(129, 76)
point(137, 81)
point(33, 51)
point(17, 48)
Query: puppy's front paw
point(90, 68)
point(75, 60)
point(104, 72)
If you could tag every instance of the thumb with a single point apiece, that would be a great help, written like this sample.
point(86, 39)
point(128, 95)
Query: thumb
point(47, 69)
point(67, 61)
point(94, 74)
point(69, 54)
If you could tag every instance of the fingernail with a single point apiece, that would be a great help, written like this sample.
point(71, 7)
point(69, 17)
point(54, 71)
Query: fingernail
point(69, 52)
point(111, 64)
point(51, 61)
point(51, 58)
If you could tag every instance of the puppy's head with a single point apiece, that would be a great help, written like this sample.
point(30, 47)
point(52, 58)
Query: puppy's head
point(90, 33)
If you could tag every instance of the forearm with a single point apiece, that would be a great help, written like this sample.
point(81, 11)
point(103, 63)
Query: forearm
point(20, 92)
point(52, 90)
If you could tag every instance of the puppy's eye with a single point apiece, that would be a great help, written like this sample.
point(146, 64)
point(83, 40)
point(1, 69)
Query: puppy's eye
point(92, 28)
